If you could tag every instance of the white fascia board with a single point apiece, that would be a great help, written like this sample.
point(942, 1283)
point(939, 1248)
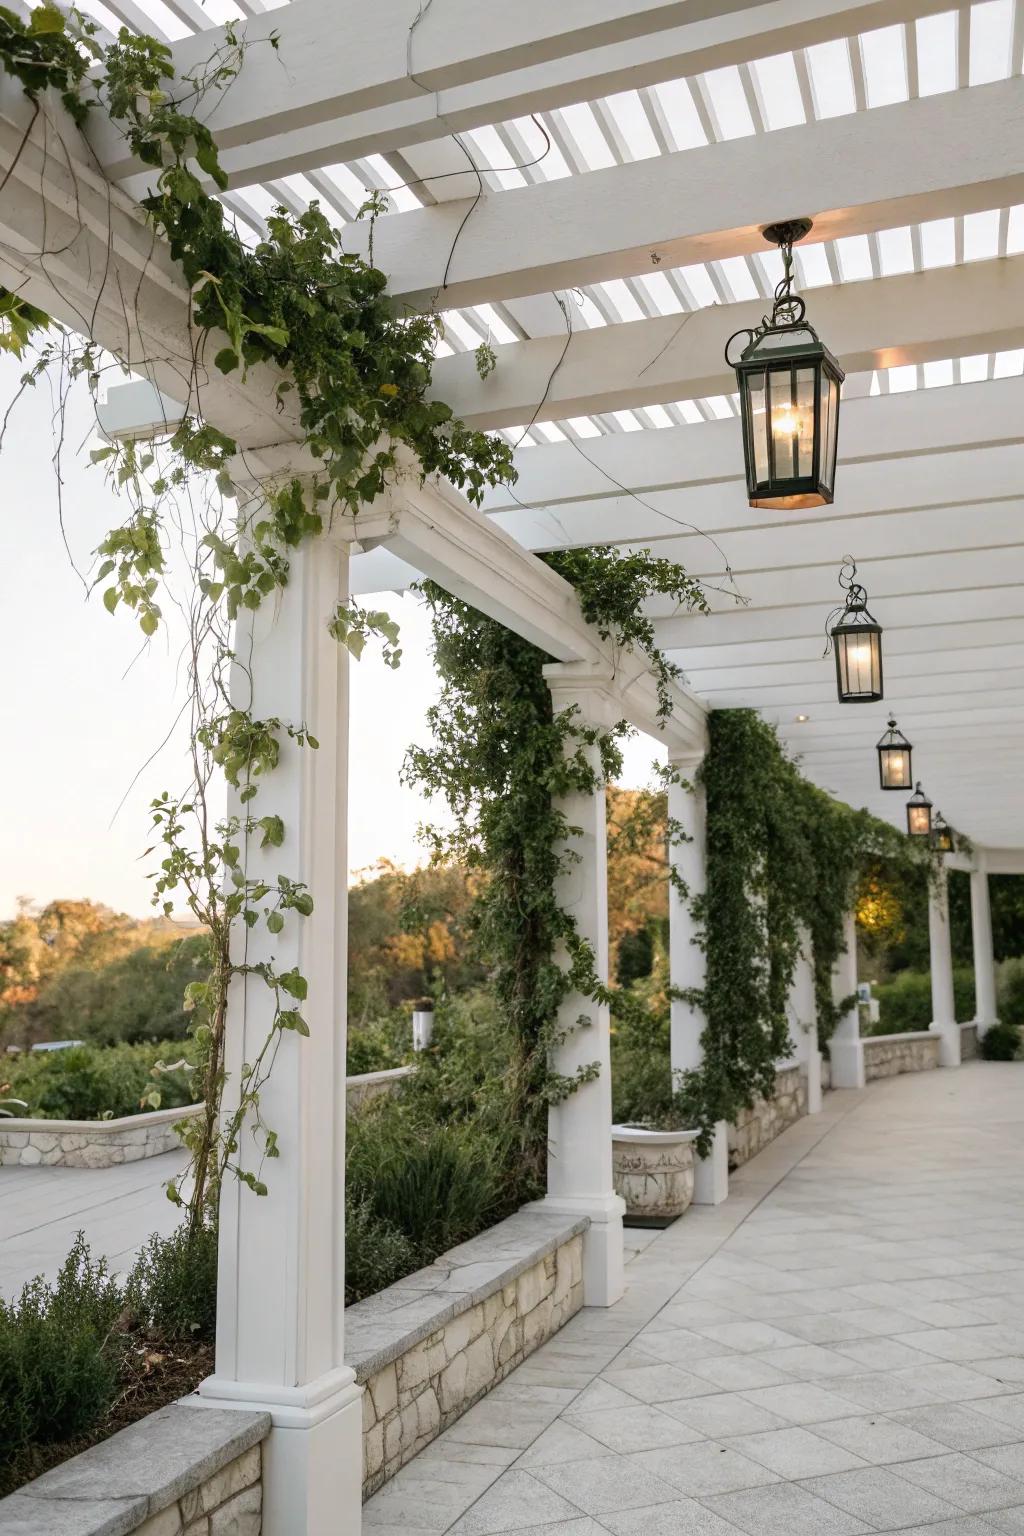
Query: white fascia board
point(914, 318)
point(924, 159)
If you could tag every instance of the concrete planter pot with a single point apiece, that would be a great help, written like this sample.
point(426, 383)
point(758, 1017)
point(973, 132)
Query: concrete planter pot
point(653, 1172)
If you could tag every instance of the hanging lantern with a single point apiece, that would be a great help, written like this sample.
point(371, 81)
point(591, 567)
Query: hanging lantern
point(894, 758)
point(789, 396)
point(942, 834)
point(919, 814)
point(857, 640)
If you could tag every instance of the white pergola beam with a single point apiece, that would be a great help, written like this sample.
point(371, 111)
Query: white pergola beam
point(923, 425)
point(400, 82)
point(913, 318)
point(924, 159)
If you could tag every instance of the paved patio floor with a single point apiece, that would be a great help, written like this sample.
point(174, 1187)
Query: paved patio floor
point(837, 1349)
point(41, 1209)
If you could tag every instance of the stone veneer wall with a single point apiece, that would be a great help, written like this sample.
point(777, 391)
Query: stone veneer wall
point(968, 1042)
point(184, 1471)
point(429, 1347)
point(756, 1127)
point(888, 1055)
point(106, 1143)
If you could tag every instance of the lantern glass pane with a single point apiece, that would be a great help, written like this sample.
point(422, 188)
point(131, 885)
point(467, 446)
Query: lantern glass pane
point(785, 424)
point(895, 767)
point(759, 428)
point(859, 655)
point(919, 820)
point(831, 436)
point(805, 419)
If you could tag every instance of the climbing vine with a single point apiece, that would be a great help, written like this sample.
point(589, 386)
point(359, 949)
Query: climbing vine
point(353, 377)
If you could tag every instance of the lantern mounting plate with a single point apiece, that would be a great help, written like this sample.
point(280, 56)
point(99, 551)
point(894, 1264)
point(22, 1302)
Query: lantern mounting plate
point(788, 231)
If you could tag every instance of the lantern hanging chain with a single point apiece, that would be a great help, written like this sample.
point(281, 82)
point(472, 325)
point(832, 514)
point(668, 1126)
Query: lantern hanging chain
point(856, 598)
point(788, 308)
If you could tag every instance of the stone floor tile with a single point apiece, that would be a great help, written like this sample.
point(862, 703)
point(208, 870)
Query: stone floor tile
point(785, 1509)
point(1005, 1458)
point(883, 1354)
point(1009, 1521)
point(747, 1337)
point(961, 1525)
point(601, 1394)
point(738, 1373)
point(801, 1402)
point(964, 1482)
point(809, 1362)
point(675, 1346)
point(958, 1426)
point(1007, 1369)
point(795, 1452)
point(879, 1440)
point(703, 1468)
point(640, 1428)
point(978, 1342)
point(658, 1383)
point(684, 1517)
point(883, 1500)
point(607, 1483)
point(507, 1424)
point(726, 1413)
point(1007, 1409)
point(514, 1503)
point(561, 1441)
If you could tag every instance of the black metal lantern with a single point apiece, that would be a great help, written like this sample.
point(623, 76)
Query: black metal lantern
point(856, 638)
point(919, 814)
point(894, 758)
point(788, 383)
point(942, 834)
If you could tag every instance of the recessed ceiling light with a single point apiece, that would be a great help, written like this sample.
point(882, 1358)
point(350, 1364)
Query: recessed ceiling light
point(802, 719)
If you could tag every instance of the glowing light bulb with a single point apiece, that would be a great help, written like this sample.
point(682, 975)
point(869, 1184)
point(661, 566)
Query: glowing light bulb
point(786, 422)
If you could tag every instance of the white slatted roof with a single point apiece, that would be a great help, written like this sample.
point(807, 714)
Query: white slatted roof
point(627, 152)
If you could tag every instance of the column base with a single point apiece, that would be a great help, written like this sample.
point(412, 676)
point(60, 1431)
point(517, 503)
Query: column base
point(604, 1263)
point(313, 1456)
point(984, 1025)
point(711, 1173)
point(949, 1042)
point(847, 1058)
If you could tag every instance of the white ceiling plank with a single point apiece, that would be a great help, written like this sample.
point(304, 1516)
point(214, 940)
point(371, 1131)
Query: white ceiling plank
point(915, 317)
point(471, 68)
point(933, 157)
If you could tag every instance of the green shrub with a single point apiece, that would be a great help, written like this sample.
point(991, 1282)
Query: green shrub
point(172, 1290)
point(376, 1253)
point(59, 1354)
point(1001, 1042)
point(1010, 991)
point(905, 1003)
point(95, 1083)
point(379, 1044)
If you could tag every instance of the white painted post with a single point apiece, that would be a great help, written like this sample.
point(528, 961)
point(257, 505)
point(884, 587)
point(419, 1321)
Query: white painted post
point(422, 1025)
point(687, 963)
point(846, 1049)
point(580, 1128)
point(985, 1009)
point(804, 1013)
point(281, 1272)
point(943, 1021)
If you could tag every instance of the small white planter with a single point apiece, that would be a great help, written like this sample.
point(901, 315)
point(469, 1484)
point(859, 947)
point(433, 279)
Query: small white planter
point(653, 1172)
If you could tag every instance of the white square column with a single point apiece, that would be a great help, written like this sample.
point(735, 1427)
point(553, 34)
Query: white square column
point(943, 1022)
point(846, 1050)
point(281, 1271)
point(985, 1007)
point(687, 805)
point(803, 1014)
point(580, 1127)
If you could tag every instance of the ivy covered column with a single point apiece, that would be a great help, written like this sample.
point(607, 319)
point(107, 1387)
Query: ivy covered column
point(580, 1125)
point(281, 1273)
point(943, 1022)
point(984, 957)
point(846, 1048)
point(687, 807)
point(803, 1015)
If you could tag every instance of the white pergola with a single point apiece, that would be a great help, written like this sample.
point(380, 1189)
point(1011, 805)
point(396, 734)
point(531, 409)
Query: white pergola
point(583, 184)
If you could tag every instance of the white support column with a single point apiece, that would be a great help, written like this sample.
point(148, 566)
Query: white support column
point(281, 1272)
point(580, 1127)
point(846, 1049)
point(687, 963)
point(985, 1014)
point(943, 1005)
point(804, 1027)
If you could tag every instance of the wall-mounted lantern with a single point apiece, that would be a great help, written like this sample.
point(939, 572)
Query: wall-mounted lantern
point(788, 384)
point(942, 834)
point(894, 758)
point(856, 638)
point(919, 814)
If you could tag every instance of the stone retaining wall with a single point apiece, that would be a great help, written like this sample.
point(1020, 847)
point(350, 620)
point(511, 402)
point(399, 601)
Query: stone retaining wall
point(184, 1471)
point(106, 1143)
point(756, 1127)
point(968, 1042)
point(888, 1055)
point(429, 1347)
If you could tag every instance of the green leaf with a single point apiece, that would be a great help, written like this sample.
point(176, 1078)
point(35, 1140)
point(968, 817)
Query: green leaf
point(227, 360)
point(295, 984)
point(275, 922)
point(149, 622)
point(111, 598)
point(46, 19)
